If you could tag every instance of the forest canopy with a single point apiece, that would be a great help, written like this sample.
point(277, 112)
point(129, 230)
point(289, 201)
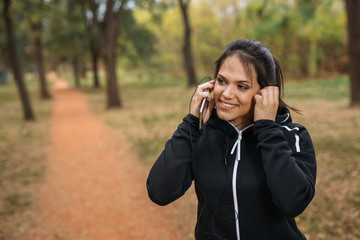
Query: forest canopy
point(308, 36)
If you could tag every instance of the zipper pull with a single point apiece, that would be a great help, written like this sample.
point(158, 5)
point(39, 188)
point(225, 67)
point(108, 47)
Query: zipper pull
point(239, 146)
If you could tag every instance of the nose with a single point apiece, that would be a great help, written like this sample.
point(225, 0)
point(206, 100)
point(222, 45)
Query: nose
point(228, 92)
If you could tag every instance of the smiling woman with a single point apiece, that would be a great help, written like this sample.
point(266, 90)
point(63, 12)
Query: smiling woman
point(254, 169)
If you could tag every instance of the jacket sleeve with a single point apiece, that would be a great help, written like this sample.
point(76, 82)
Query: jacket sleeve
point(171, 174)
point(290, 170)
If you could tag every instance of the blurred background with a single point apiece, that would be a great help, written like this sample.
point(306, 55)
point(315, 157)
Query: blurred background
point(142, 59)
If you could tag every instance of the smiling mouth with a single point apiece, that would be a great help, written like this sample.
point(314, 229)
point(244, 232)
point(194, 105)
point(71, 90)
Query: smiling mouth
point(227, 105)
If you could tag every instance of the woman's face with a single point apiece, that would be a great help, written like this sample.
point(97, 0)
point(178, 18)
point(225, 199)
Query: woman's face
point(234, 92)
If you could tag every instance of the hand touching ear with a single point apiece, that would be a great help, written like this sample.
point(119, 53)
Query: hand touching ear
point(266, 103)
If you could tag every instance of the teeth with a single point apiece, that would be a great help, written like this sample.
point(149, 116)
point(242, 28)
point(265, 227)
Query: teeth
point(228, 105)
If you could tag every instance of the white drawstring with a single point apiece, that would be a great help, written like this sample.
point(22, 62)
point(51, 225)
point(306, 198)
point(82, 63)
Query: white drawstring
point(237, 145)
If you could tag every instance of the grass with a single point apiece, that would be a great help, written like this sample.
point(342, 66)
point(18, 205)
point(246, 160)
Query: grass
point(22, 156)
point(151, 113)
point(328, 89)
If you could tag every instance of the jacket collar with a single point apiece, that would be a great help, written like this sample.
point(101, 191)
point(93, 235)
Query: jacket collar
point(282, 117)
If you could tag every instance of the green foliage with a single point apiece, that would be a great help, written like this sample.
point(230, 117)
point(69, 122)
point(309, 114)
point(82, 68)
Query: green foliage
point(66, 33)
point(22, 37)
point(168, 36)
point(136, 41)
point(2, 40)
point(308, 36)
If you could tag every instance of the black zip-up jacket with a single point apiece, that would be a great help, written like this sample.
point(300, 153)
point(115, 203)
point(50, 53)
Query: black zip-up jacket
point(250, 184)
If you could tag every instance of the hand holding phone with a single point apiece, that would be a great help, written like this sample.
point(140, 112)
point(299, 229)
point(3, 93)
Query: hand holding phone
point(203, 107)
point(201, 104)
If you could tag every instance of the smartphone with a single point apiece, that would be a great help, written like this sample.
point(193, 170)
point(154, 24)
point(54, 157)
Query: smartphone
point(203, 107)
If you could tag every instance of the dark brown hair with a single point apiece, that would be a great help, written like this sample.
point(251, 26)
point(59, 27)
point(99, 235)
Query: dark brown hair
point(254, 54)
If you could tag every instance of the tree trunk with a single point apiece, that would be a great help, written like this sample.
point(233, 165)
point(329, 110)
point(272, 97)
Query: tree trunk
point(94, 60)
point(93, 46)
point(11, 43)
point(353, 16)
point(44, 93)
point(108, 35)
point(76, 71)
point(108, 47)
point(112, 93)
point(187, 52)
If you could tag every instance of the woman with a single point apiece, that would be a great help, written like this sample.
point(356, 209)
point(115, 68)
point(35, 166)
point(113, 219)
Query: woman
point(254, 170)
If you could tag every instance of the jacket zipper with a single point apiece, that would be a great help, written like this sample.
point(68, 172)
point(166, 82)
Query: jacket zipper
point(237, 147)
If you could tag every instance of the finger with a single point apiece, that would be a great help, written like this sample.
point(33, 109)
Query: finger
point(211, 105)
point(274, 94)
point(206, 95)
point(264, 93)
point(207, 85)
point(258, 98)
point(270, 91)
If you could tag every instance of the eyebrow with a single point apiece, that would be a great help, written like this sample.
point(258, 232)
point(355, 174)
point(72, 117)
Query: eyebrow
point(237, 81)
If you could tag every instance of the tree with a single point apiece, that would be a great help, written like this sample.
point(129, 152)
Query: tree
point(74, 12)
point(107, 26)
point(17, 71)
point(94, 49)
point(30, 17)
point(71, 43)
point(353, 13)
point(36, 25)
point(95, 60)
point(93, 45)
point(187, 51)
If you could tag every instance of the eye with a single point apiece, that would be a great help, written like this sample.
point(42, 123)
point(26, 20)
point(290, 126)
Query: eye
point(220, 81)
point(243, 87)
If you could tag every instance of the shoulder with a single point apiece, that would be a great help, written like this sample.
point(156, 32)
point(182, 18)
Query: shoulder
point(297, 136)
point(292, 128)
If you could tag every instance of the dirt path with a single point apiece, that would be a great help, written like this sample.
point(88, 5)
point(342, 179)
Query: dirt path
point(94, 186)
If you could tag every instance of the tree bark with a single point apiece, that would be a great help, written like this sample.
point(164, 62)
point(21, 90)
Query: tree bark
point(76, 72)
point(108, 35)
point(353, 16)
point(187, 51)
point(16, 68)
point(94, 60)
point(44, 93)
